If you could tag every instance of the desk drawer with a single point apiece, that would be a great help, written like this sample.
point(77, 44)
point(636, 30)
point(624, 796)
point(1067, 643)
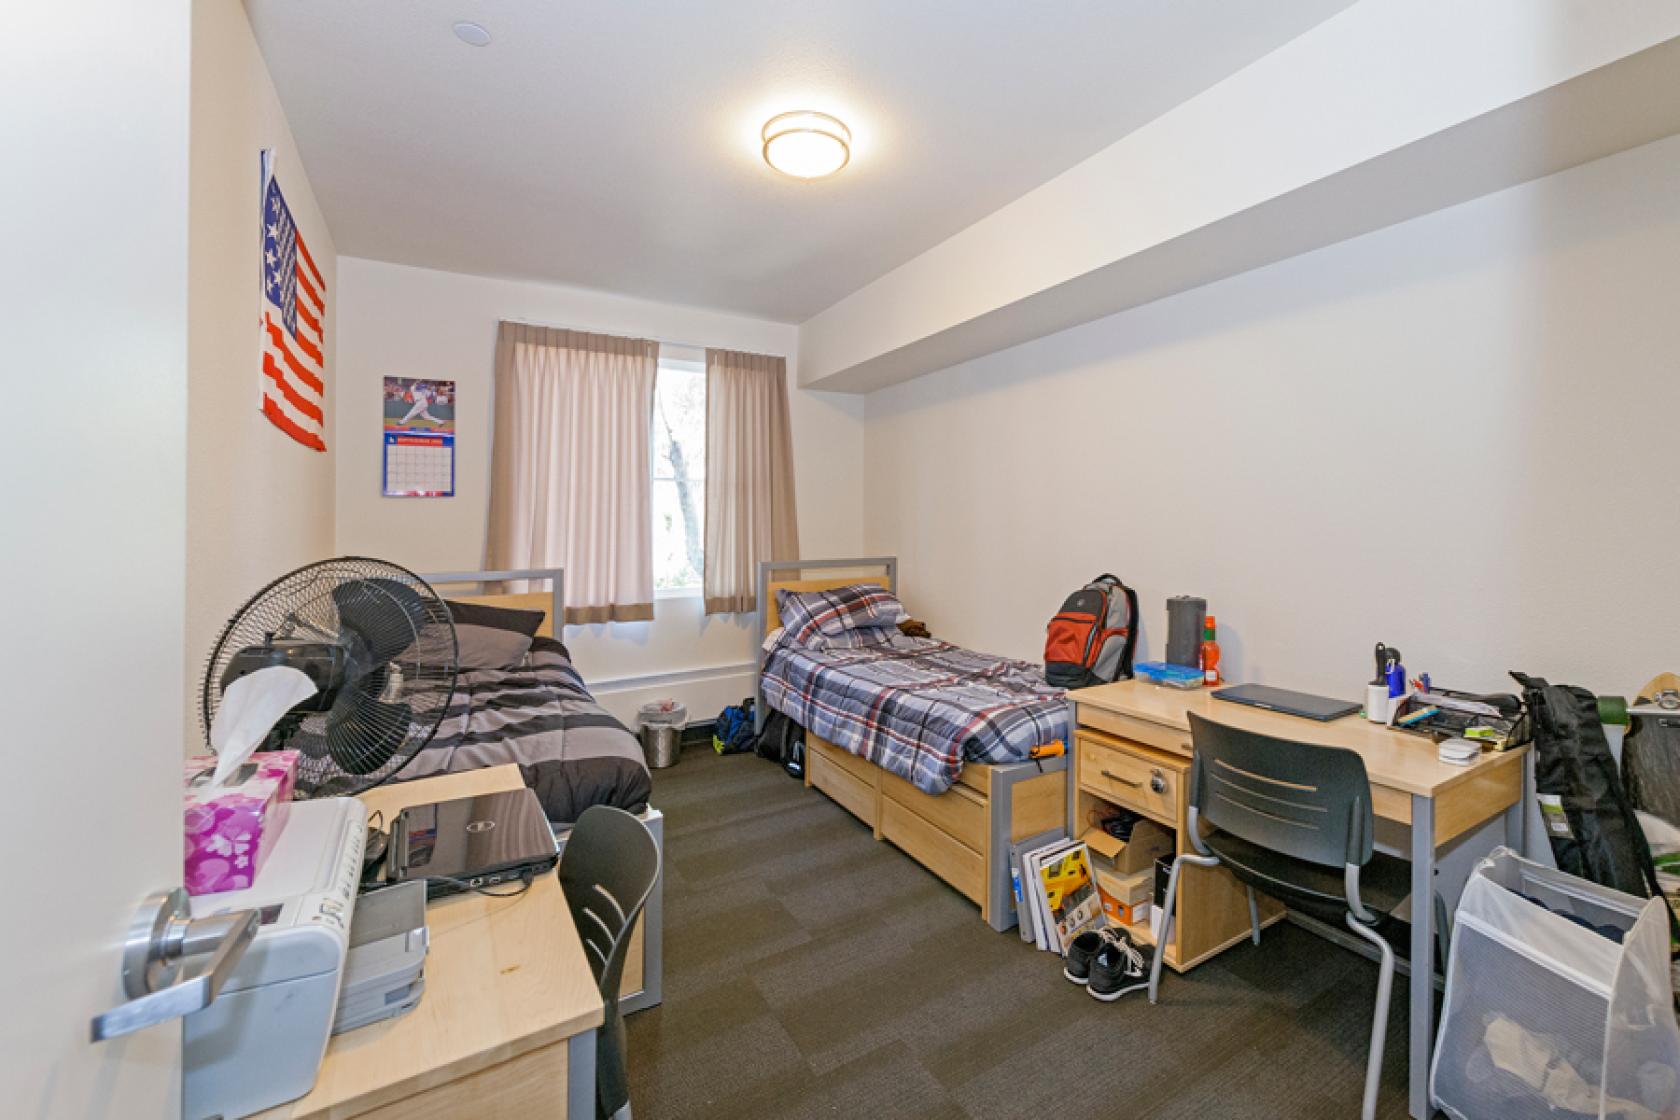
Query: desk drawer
point(1157, 735)
point(1149, 785)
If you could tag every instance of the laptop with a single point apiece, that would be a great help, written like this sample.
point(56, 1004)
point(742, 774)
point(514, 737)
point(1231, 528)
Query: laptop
point(1303, 704)
point(471, 842)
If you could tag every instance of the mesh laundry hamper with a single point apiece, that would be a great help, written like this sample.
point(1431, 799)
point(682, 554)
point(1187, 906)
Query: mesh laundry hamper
point(1546, 1017)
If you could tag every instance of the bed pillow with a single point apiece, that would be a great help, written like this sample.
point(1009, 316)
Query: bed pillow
point(489, 647)
point(852, 639)
point(832, 613)
point(496, 618)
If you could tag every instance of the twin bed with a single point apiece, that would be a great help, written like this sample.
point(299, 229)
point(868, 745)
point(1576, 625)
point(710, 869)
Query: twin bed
point(538, 714)
point(927, 743)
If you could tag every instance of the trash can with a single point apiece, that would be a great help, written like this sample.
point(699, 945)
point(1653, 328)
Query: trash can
point(661, 728)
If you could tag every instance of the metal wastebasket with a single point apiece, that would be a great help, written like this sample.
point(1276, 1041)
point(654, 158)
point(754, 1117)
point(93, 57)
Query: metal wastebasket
point(661, 724)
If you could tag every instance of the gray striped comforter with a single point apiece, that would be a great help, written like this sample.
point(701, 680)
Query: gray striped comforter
point(540, 717)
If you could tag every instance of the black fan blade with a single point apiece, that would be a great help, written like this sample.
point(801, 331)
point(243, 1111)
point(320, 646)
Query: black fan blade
point(384, 614)
point(364, 734)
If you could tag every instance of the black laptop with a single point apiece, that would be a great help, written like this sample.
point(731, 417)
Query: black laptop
point(471, 842)
point(1303, 704)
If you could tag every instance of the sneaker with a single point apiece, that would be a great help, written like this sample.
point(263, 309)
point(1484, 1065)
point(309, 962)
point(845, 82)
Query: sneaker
point(1117, 968)
point(1077, 966)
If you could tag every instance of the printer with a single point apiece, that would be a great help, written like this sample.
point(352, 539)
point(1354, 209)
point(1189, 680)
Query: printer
point(261, 1042)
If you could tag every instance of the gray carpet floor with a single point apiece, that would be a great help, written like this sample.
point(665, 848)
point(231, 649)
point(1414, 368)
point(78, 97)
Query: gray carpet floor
point(813, 971)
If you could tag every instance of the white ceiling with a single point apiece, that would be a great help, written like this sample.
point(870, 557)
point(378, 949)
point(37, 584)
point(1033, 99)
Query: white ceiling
point(613, 144)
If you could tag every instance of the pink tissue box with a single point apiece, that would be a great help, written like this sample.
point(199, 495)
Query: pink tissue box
point(231, 829)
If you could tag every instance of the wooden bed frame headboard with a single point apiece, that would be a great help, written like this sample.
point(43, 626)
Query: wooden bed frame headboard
point(551, 602)
point(790, 575)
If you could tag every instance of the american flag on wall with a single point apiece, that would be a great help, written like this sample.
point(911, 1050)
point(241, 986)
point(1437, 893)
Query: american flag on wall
point(294, 310)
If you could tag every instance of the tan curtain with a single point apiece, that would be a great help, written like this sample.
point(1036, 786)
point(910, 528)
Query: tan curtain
point(570, 477)
point(749, 475)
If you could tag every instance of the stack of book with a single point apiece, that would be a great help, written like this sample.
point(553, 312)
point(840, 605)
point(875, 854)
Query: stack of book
point(1055, 890)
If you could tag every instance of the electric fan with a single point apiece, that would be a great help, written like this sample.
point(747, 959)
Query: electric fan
point(379, 645)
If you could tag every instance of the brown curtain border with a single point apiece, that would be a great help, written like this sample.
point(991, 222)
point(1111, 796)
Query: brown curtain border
point(618, 612)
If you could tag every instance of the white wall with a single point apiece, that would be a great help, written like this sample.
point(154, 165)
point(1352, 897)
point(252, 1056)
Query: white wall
point(260, 504)
point(1456, 435)
point(93, 311)
point(1193, 193)
point(411, 322)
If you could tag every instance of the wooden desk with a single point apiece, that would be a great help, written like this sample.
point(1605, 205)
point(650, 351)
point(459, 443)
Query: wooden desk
point(1140, 733)
point(506, 1028)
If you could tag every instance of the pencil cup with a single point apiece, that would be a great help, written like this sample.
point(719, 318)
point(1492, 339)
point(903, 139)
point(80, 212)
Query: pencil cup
point(1377, 702)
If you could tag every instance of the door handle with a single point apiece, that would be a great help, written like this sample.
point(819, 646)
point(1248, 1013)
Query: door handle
point(162, 936)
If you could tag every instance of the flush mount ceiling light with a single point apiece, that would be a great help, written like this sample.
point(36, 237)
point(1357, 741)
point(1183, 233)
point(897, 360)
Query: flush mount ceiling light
point(806, 144)
point(472, 34)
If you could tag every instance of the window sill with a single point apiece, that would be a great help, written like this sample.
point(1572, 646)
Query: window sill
point(676, 593)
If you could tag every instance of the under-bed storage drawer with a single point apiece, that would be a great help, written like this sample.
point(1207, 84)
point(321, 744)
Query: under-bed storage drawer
point(959, 811)
point(954, 862)
point(856, 797)
point(839, 758)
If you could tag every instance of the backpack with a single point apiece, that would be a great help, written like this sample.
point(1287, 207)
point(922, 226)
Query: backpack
point(1651, 765)
point(1589, 819)
point(783, 742)
point(1091, 639)
point(733, 731)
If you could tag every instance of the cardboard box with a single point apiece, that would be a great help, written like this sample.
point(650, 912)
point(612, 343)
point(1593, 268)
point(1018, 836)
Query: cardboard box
point(1121, 895)
point(230, 830)
point(1127, 857)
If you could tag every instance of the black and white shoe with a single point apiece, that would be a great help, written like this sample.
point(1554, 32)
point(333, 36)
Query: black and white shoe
point(1118, 967)
point(1077, 965)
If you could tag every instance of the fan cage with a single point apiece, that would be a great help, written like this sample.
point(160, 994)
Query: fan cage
point(410, 694)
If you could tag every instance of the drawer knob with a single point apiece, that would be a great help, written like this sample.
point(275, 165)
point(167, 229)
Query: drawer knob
point(1157, 782)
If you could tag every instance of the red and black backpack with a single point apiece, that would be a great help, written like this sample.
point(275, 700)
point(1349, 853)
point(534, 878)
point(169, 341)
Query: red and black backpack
point(1091, 639)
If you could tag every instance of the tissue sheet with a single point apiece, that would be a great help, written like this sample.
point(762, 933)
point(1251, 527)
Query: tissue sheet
point(231, 829)
point(250, 708)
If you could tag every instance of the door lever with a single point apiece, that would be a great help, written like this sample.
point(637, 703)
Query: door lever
point(162, 936)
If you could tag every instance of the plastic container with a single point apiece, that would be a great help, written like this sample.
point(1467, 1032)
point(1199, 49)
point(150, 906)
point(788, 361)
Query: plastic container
point(661, 727)
point(1168, 676)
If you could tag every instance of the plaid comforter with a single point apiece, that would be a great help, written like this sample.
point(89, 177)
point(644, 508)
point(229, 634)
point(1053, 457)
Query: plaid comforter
point(914, 707)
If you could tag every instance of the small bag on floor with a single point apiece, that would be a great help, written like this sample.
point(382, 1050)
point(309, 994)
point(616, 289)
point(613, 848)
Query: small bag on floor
point(783, 742)
point(733, 731)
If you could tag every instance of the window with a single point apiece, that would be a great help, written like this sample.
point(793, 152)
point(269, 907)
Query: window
point(679, 475)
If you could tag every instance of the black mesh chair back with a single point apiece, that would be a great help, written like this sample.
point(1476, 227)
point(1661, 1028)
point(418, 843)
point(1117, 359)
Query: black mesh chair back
point(1309, 802)
point(607, 870)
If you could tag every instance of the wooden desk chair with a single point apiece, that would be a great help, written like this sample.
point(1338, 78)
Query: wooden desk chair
point(1293, 820)
point(607, 870)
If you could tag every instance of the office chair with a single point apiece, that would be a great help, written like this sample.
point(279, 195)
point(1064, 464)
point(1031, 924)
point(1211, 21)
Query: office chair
point(1293, 820)
point(607, 871)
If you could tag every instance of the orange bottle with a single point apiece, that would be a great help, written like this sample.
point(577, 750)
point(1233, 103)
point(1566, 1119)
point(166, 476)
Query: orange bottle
point(1210, 653)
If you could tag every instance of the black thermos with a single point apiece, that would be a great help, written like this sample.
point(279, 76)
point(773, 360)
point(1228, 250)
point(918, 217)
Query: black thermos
point(1186, 615)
